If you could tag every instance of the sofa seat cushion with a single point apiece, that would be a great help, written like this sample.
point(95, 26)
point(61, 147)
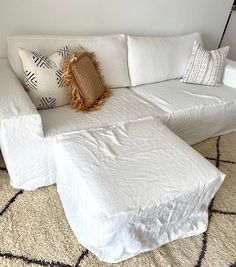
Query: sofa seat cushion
point(121, 106)
point(195, 112)
point(132, 187)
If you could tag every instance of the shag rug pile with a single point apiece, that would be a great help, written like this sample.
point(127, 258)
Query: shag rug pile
point(34, 231)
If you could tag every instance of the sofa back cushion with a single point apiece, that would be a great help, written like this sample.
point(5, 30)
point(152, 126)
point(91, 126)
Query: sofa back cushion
point(155, 59)
point(111, 52)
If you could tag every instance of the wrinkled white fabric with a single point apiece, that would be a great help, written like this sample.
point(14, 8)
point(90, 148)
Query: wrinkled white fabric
point(26, 135)
point(21, 134)
point(195, 112)
point(118, 207)
point(121, 106)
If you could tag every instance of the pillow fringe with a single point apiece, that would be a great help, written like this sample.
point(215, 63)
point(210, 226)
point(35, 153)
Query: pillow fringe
point(73, 88)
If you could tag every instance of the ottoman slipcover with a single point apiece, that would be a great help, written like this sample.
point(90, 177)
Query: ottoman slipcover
point(132, 187)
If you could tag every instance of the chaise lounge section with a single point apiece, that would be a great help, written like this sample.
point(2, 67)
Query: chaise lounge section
point(118, 207)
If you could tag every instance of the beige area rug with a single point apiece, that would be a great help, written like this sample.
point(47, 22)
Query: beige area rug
point(34, 231)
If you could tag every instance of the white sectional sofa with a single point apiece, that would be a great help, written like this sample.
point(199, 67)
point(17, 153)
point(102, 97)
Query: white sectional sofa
point(193, 112)
point(96, 157)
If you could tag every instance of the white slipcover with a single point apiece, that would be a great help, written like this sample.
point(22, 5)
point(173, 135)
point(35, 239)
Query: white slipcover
point(26, 135)
point(110, 50)
point(127, 208)
point(118, 207)
point(155, 59)
point(21, 134)
point(123, 105)
point(194, 112)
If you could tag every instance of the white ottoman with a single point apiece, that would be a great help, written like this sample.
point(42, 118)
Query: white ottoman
point(132, 187)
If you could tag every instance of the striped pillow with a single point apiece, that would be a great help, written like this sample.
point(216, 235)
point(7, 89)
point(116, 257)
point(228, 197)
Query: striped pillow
point(206, 67)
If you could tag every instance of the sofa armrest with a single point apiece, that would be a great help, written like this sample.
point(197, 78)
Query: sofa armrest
point(14, 101)
point(21, 132)
point(229, 77)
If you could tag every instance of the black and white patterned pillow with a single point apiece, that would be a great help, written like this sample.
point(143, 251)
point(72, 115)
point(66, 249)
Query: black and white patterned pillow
point(206, 67)
point(43, 78)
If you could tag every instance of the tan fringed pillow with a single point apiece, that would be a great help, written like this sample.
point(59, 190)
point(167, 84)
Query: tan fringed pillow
point(87, 88)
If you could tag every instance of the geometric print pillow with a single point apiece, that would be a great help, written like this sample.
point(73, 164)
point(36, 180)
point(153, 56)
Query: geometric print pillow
point(206, 67)
point(43, 78)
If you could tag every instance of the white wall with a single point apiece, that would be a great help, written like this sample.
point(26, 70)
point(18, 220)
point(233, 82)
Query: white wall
point(230, 36)
point(140, 17)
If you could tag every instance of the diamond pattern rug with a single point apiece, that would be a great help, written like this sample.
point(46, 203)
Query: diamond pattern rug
point(34, 231)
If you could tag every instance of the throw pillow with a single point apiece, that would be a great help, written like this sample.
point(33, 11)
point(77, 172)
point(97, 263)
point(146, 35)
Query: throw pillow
point(43, 78)
point(87, 88)
point(206, 67)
